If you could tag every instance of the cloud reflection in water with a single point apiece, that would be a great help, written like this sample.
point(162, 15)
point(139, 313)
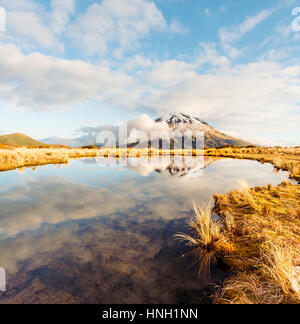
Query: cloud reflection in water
point(93, 234)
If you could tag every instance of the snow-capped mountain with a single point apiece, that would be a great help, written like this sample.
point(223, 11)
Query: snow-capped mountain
point(176, 119)
point(187, 122)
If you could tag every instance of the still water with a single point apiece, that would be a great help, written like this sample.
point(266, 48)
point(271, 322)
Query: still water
point(94, 232)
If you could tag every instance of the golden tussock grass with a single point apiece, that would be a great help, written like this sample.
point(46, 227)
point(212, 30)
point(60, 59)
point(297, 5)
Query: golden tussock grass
point(13, 158)
point(283, 266)
point(276, 280)
point(206, 240)
point(266, 237)
point(205, 230)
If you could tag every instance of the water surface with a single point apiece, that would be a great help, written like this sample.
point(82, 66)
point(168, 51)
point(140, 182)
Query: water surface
point(88, 232)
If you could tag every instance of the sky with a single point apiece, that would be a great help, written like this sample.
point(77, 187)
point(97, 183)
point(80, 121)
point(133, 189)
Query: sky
point(70, 65)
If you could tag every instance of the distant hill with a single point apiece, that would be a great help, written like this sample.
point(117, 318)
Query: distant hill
point(18, 139)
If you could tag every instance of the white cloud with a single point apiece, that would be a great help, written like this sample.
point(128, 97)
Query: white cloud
point(207, 54)
point(176, 28)
point(137, 62)
point(169, 73)
point(109, 25)
point(41, 82)
point(230, 34)
point(148, 126)
point(21, 5)
point(120, 23)
point(231, 51)
point(31, 26)
point(61, 11)
point(275, 55)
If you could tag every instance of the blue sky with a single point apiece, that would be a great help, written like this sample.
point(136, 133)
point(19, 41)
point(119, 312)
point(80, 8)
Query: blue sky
point(69, 64)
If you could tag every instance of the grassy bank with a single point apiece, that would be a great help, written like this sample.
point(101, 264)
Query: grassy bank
point(17, 157)
point(258, 234)
point(262, 228)
point(13, 158)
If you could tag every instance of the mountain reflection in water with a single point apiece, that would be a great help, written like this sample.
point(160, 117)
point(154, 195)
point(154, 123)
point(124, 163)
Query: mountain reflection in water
point(100, 231)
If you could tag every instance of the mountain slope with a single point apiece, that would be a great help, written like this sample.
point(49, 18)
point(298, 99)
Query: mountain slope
point(213, 138)
point(18, 139)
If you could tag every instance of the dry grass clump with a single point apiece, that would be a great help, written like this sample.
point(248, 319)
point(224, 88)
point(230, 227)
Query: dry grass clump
point(207, 238)
point(205, 230)
point(229, 221)
point(275, 281)
point(266, 237)
point(283, 266)
point(249, 288)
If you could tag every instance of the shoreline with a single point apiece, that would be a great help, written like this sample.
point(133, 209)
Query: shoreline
point(286, 159)
point(14, 158)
